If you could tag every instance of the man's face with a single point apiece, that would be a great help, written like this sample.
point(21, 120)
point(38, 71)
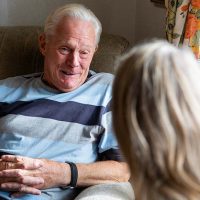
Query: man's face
point(68, 54)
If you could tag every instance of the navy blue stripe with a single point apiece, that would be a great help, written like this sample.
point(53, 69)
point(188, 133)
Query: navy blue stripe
point(63, 111)
point(108, 107)
point(112, 154)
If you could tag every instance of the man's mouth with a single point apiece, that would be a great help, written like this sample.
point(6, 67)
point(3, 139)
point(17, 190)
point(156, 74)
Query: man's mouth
point(68, 73)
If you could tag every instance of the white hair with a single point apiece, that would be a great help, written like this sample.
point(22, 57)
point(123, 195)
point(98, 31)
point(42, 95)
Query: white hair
point(76, 11)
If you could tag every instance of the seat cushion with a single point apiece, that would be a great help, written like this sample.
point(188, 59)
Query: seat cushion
point(114, 191)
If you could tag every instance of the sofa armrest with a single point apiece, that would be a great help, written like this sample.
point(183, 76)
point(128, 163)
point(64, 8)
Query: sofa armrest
point(114, 191)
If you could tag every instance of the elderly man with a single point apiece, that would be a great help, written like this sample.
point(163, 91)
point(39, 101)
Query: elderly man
point(56, 132)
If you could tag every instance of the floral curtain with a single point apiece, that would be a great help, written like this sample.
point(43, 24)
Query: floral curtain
point(183, 23)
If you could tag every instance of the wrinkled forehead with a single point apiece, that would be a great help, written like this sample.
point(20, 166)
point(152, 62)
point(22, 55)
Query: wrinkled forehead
point(76, 28)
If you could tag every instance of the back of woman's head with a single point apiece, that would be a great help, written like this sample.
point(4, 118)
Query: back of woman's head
point(156, 115)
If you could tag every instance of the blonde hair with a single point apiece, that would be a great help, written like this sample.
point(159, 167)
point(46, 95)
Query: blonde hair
point(156, 116)
point(76, 11)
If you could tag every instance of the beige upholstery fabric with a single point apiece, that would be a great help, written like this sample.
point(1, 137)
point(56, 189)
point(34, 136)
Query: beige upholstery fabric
point(115, 191)
point(19, 52)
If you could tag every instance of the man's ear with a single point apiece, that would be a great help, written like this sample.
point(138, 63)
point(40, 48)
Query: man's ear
point(42, 43)
point(96, 49)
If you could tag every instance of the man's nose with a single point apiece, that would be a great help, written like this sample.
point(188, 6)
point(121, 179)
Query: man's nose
point(74, 59)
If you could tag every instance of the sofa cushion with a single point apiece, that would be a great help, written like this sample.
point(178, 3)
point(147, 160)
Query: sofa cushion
point(109, 191)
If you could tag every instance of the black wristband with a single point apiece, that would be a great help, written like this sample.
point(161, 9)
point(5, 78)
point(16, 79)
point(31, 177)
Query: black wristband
point(74, 176)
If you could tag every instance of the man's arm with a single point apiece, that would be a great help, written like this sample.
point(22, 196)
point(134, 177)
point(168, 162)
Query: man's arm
point(102, 172)
point(57, 174)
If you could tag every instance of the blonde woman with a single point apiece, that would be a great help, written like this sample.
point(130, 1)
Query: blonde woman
point(156, 114)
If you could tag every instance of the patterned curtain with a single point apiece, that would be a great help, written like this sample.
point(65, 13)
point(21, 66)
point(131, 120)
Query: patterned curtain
point(183, 23)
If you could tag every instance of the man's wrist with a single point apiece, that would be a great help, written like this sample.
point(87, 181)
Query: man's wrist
point(74, 176)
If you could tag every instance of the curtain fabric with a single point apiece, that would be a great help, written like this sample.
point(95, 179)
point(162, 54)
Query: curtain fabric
point(183, 23)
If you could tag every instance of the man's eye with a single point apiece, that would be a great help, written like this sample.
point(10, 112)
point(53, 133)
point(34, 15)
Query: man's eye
point(84, 53)
point(64, 50)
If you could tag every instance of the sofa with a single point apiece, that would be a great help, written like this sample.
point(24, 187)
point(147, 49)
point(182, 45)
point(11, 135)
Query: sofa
point(19, 55)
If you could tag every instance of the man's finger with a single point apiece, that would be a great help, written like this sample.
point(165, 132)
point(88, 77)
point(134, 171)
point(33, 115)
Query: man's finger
point(23, 162)
point(20, 188)
point(21, 176)
point(12, 158)
point(10, 165)
point(13, 173)
point(31, 181)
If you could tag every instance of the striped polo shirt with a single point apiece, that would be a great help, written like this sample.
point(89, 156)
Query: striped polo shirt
point(41, 122)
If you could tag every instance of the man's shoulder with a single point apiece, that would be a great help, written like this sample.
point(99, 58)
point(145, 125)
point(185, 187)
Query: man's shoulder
point(21, 77)
point(101, 77)
point(19, 81)
point(32, 75)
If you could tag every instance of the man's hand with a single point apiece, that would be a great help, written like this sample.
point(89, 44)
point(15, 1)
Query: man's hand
point(17, 183)
point(55, 174)
point(28, 175)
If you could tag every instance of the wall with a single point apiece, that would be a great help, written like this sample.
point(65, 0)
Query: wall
point(133, 19)
point(150, 21)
